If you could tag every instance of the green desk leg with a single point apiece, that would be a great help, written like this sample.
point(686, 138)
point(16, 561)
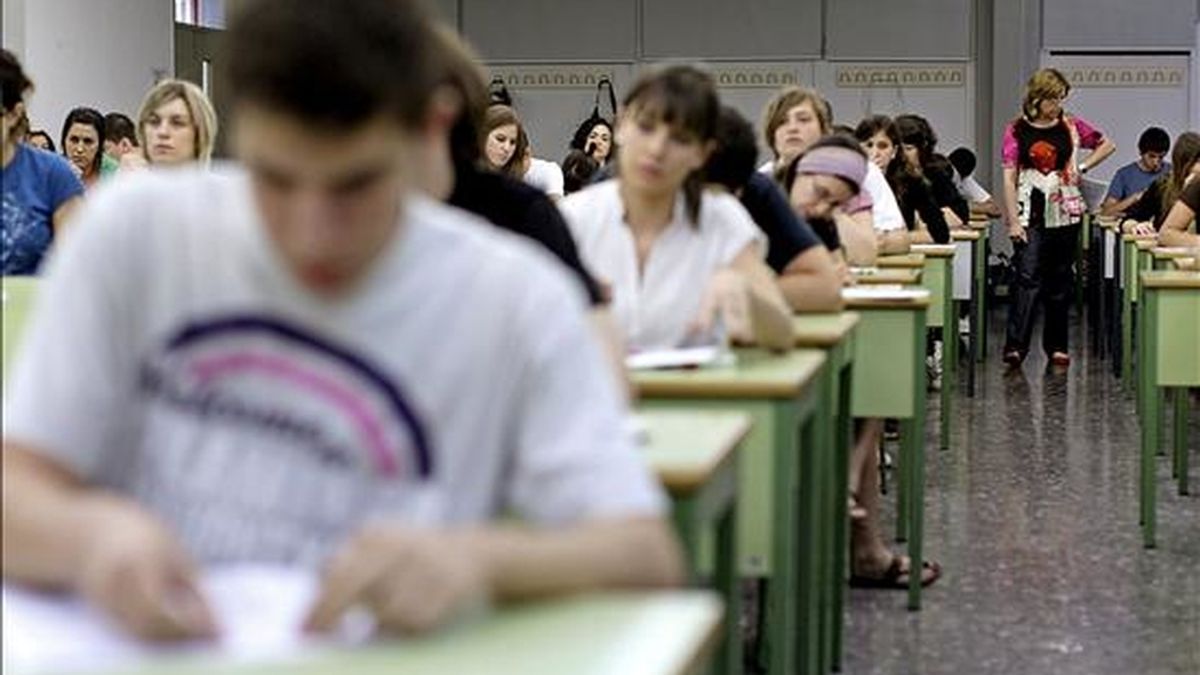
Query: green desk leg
point(843, 437)
point(1151, 397)
point(1181, 431)
point(808, 552)
point(1127, 261)
point(912, 459)
point(716, 503)
point(937, 277)
point(818, 510)
point(979, 336)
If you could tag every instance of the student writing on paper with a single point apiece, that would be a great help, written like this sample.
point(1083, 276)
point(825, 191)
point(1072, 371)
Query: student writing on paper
point(681, 261)
point(277, 365)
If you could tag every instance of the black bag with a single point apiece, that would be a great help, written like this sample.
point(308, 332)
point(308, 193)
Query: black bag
point(498, 92)
point(579, 140)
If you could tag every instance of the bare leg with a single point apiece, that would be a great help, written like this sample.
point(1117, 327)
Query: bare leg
point(869, 554)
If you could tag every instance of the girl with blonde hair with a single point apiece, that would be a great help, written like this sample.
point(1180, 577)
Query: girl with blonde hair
point(175, 125)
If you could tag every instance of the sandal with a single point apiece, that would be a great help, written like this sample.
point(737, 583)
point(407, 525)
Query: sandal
point(1013, 358)
point(853, 510)
point(1060, 359)
point(895, 577)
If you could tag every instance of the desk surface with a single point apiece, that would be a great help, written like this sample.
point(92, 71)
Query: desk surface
point(1174, 252)
point(935, 250)
point(757, 374)
point(966, 235)
point(906, 276)
point(1146, 244)
point(1129, 237)
point(913, 260)
point(885, 298)
point(1171, 279)
point(685, 448)
point(822, 331)
point(667, 633)
point(1188, 264)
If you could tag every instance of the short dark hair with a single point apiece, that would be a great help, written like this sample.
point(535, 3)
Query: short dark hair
point(1154, 139)
point(92, 118)
point(578, 169)
point(334, 63)
point(963, 161)
point(732, 162)
point(13, 81)
point(42, 134)
point(118, 127)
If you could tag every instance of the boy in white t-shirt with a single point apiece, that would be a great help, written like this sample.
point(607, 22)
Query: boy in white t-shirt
point(308, 364)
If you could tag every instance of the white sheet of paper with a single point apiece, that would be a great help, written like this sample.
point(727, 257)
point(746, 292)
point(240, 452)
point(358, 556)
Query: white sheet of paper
point(259, 611)
point(883, 292)
point(675, 358)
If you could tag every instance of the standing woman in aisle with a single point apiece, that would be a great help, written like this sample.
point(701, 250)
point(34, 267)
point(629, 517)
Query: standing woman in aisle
point(684, 265)
point(1043, 208)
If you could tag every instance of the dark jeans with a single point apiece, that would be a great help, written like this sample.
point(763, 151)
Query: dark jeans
point(1043, 275)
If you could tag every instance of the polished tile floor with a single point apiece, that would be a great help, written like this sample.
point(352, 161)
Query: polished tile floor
point(1033, 514)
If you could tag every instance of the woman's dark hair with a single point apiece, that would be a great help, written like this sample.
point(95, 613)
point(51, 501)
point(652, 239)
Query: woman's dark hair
point(578, 167)
point(42, 133)
point(579, 140)
point(787, 177)
point(92, 118)
point(732, 162)
point(897, 172)
point(684, 97)
point(869, 126)
point(915, 130)
point(14, 84)
point(334, 63)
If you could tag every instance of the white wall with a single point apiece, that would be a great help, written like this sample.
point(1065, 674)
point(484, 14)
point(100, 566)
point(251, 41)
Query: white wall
point(100, 53)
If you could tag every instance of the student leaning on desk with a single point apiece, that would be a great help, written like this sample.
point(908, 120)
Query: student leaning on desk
point(305, 363)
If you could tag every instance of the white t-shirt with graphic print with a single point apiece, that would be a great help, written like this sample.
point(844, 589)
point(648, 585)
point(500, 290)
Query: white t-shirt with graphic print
point(654, 307)
point(172, 358)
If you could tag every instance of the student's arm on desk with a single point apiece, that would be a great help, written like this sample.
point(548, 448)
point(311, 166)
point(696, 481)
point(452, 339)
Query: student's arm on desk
point(1174, 229)
point(894, 242)
point(857, 234)
point(61, 534)
point(1115, 207)
point(769, 311)
point(987, 207)
point(812, 282)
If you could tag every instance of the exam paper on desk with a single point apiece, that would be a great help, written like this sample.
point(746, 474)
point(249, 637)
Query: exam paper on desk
point(259, 611)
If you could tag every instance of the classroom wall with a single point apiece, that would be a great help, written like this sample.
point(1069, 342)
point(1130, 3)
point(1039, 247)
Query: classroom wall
point(550, 63)
point(101, 53)
point(1119, 24)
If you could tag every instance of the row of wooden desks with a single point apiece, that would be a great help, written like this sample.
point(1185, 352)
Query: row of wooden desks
point(1157, 352)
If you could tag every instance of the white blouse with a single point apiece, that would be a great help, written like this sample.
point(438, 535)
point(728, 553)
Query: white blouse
point(655, 307)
